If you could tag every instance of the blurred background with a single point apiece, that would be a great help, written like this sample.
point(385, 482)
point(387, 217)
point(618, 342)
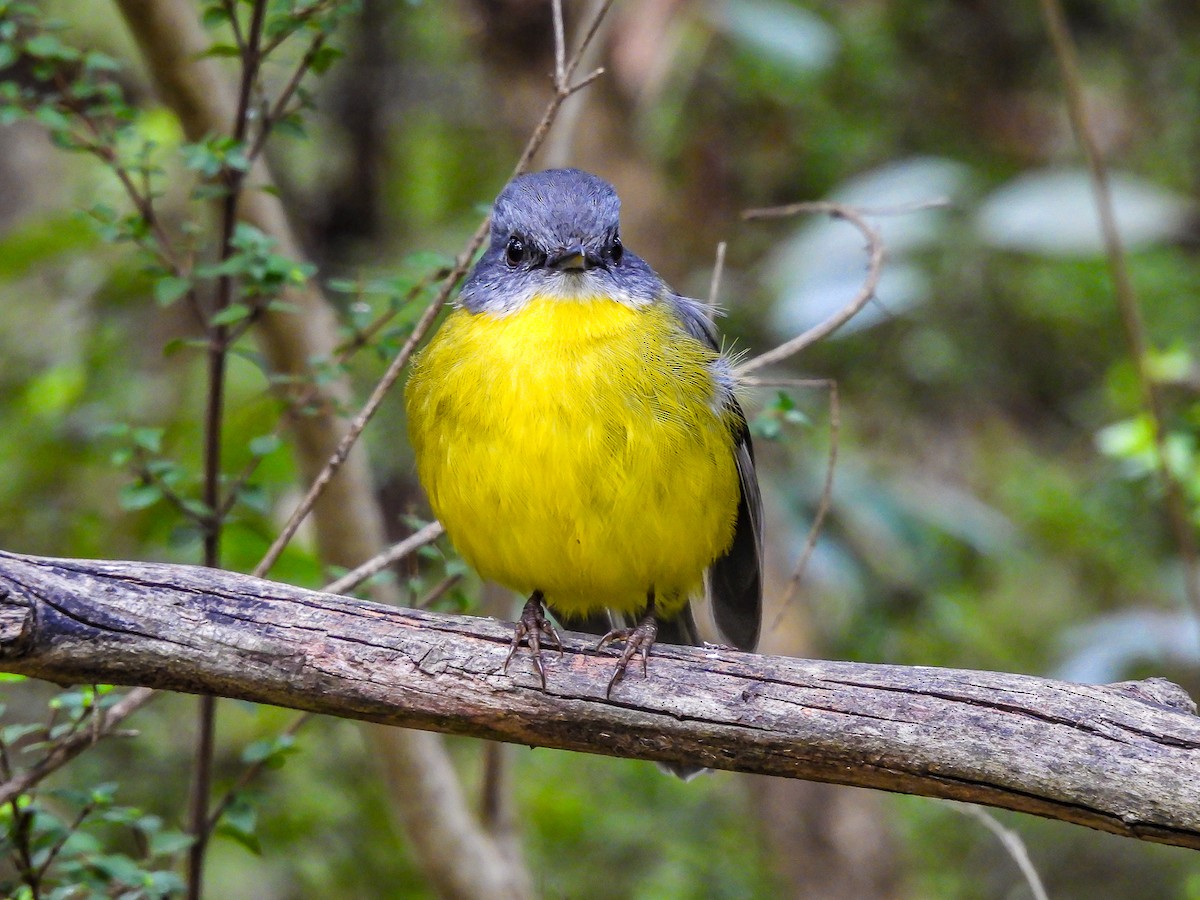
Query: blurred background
point(994, 504)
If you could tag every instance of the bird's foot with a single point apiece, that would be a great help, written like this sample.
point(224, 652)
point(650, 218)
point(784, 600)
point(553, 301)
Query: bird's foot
point(532, 627)
point(638, 639)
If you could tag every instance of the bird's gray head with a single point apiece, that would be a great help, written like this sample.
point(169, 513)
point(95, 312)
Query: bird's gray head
point(555, 234)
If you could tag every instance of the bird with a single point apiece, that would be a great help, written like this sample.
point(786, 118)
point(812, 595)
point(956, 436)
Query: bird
point(575, 427)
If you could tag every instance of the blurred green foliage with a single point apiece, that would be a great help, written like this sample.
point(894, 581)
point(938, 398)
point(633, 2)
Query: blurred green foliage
point(995, 498)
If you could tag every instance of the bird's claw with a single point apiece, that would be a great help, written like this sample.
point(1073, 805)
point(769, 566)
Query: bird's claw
point(638, 639)
point(532, 627)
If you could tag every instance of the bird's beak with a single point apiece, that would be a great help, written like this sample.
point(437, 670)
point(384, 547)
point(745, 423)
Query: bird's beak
point(572, 259)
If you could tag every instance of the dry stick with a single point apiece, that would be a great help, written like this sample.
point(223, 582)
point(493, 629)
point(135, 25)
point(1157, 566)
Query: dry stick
point(439, 591)
point(1013, 844)
point(557, 151)
point(1127, 303)
point(714, 286)
point(560, 43)
point(378, 563)
point(855, 217)
point(562, 90)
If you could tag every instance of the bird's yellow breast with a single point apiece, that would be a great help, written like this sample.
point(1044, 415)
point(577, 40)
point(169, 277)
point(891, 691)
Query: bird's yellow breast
point(577, 448)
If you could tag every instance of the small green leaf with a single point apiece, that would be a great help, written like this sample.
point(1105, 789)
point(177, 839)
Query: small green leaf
point(149, 439)
point(222, 50)
point(239, 823)
point(52, 118)
point(235, 312)
point(269, 750)
point(168, 843)
point(169, 289)
point(215, 15)
point(264, 444)
point(10, 734)
point(139, 496)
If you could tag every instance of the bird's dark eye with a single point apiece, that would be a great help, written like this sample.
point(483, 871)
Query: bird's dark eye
point(515, 253)
point(615, 250)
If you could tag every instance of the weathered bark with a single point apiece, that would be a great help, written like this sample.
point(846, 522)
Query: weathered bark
point(1120, 758)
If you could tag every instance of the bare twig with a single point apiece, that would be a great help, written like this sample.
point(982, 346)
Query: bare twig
point(874, 269)
point(393, 554)
point(439, 591)
point(714, 287)
point(1127, 302)
point(560, 44)
point(1013, 845)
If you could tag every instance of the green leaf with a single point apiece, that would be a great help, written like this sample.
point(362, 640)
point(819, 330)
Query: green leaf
point(222, 50)
point(47, 46)
point(95, 61)
point(255, 497)
point(215, 15)
point(269, 750)
point(118, 867)
point(169, 289)
point(239, 823)
point(10, 734)
point(264, 444)
point(235, 312)
point(169, 843)
point(149, 439)
point(52, 118)
point(139, 496)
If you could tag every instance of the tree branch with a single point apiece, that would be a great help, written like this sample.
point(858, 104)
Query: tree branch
point(1119, 758)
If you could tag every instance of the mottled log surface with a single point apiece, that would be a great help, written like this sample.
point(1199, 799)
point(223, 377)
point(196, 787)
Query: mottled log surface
point(1120, 758)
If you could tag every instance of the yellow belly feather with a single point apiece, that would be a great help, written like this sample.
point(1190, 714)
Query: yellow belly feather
point(575, 447)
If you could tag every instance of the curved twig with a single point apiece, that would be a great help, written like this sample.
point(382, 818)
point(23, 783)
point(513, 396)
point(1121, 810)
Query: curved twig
point(855, 217)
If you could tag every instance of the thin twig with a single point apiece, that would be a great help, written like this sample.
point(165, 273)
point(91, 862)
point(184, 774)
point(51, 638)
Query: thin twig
point(1127, 303)
point(714, 287)
point(874, 269)
point(277, 111)
point(826, 500)
point(439, 591)
point(381, 561)
point(560, 43)
point(577, 56)
point(1013, 845)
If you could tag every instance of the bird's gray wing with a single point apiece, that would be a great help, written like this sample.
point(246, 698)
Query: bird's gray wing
point(734, 580)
